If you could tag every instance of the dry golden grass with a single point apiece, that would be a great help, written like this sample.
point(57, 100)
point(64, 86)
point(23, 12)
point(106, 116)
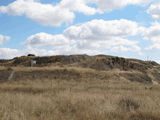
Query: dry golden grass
point(88, 99)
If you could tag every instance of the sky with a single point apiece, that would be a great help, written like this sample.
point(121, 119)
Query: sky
point(125, 28)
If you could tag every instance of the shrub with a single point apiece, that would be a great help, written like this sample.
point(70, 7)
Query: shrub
point(9, 69)
point(30, 55)
point(128, 104)
point(143, 116)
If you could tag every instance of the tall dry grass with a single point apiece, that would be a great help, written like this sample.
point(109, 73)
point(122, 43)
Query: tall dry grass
point(62, 99)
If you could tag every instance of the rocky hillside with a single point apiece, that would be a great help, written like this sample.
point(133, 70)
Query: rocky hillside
point(130, 69)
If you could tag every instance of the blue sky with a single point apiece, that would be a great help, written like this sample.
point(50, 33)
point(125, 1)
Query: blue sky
point(51, 27)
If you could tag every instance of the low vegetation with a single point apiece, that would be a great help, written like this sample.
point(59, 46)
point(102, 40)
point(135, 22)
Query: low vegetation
point(78, 99)
point(79, 90)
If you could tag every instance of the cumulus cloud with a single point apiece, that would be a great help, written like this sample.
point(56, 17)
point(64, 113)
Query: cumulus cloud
point(158, 61)
point(45, 14)
point(46, 40)
point(48, 14)
point(108, 5)
point(64, 11)
point(100, 29)
point(93, 37)
point(154, 11)
point(7, 53)
point(100, 34)
point(152, 34)
point(4, 39)
point(79, 6)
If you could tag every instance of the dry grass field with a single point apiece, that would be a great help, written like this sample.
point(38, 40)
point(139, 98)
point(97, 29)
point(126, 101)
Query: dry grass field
point(105, 96)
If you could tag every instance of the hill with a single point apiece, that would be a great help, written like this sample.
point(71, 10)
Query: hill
point(73, 67)
point(79, 87)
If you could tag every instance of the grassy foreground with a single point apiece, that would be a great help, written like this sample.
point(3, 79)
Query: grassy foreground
point(63, 99)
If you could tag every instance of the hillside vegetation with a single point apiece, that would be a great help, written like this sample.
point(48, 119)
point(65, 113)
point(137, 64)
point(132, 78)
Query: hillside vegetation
point(79, 87)
point(80, 67)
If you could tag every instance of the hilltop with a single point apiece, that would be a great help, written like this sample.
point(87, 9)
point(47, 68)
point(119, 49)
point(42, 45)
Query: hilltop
point(80, 67)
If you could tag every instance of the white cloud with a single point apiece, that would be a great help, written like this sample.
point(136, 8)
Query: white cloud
point(158, 61)
point(64, 11)
point(152, 34)
point(48, 14)
point(96, 36)
point(46, 40)
point(108, 5)
point(7, 53)
point(100, 29)
point(4, 39)
point(93, 37)
point(80, 6)
point(154, 11)
point(100, 34)
point(45, 14)
point(59, 44)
